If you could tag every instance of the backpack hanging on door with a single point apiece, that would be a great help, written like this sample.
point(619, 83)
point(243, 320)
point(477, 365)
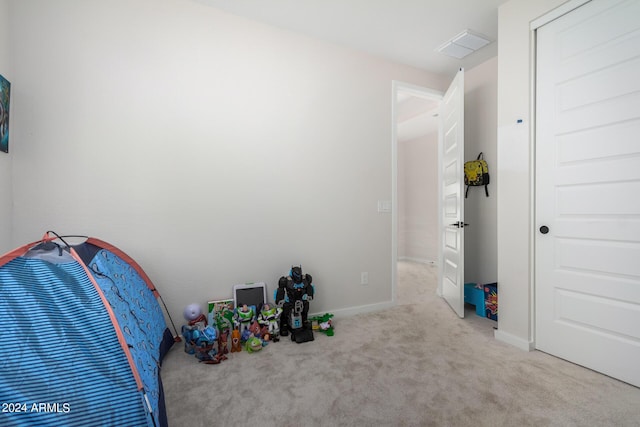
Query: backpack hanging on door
point(476, 173)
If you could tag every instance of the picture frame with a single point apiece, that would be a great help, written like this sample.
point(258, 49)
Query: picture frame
point(5, 102)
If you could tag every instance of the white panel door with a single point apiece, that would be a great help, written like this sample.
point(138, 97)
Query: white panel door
point(588, 188)
point(452, 199)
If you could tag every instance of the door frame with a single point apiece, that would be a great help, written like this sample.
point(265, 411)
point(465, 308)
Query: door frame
point(424, 93)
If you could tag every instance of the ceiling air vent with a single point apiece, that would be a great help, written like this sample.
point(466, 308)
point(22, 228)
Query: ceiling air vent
point(463, 44)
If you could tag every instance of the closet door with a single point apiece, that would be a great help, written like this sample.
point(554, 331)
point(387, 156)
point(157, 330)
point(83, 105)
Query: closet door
point(588, 188)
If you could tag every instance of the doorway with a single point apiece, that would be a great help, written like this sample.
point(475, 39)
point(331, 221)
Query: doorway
point(449, 191)
point(415, 195)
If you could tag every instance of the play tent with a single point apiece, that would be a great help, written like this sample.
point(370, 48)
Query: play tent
point(82, 337)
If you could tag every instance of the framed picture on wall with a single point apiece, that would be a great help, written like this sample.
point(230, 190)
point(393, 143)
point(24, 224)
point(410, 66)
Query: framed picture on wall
point(5, 96)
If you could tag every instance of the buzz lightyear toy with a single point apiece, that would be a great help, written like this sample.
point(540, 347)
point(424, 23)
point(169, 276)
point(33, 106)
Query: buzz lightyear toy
point(269, 317)
point(243, 318)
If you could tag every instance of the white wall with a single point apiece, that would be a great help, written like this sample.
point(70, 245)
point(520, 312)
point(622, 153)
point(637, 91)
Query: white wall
point(480, 135)
point(514, 179)
point(213, 149)
point(6, 243)
point(418, 198)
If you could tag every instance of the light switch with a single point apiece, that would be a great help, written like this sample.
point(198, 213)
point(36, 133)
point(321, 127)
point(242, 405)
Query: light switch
point(384, 206)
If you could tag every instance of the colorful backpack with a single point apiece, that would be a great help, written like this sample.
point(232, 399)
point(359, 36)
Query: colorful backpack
point(476, 173)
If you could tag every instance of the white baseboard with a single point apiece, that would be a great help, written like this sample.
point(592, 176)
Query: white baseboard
point(351, 311)
point(518, 342)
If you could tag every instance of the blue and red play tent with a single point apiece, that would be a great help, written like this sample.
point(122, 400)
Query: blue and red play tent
point(82, 337)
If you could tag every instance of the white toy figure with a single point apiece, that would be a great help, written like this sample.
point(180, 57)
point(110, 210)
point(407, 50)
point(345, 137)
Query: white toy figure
point(269, 317)
point(243, 318)
point(192, 312)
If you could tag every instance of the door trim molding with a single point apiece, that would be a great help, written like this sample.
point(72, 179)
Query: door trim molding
point(556, 13)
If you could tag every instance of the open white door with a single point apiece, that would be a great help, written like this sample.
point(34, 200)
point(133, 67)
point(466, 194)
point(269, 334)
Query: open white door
point(451, 195)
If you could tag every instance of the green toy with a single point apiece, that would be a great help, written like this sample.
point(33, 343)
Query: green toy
point(221, 315)
point(323, 323)
point(224, 320)
point(253, 344)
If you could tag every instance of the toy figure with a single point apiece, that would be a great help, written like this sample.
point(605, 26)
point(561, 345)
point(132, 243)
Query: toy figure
point(192, 332)
point(203, 343)
point(187, 334)
point(323, 324)
point(243, 318)
point(223, 346)
point(264, 333)
point(223, 316)
point(245, 335)
point(193, 314)
point(255, 329)
point(253, 344)
point(293, 295)
point(235, 341)
point(270, 317)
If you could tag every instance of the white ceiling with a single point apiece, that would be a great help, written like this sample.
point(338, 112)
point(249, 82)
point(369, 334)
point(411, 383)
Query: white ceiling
point(403, 31)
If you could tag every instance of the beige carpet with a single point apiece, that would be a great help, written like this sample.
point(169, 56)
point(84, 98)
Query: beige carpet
point(416, 364)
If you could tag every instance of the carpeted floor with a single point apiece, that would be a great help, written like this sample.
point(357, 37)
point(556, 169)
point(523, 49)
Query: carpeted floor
point(416, 364)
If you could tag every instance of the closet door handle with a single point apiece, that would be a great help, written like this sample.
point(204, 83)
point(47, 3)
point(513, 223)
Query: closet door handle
point(544, 229)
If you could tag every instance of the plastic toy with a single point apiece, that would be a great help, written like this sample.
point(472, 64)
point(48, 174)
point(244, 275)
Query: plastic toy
point(270, 317)
point(202, 341)
point(223, 343)
point(192, 312)
point(206, 343)
point(244, 316)
point(187, 335)
point(253, 344)
point(245, 335)
point(235, 341)
point(323, 324)
point(293, 295)
point(199, 339)
point(192, 332)
point(255, 329)
point(221, 314)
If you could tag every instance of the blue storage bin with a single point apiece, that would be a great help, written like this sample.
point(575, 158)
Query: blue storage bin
point(475, 296)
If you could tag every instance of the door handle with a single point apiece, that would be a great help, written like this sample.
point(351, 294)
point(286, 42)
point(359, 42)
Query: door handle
point(544, 229)
point(459, 224)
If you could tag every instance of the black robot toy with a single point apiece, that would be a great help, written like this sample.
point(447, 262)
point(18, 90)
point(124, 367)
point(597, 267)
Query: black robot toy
point(293, 295)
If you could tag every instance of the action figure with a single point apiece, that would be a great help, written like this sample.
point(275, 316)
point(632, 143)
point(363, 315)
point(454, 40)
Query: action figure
point(223, 343)
point(235, 341)
point(293, 295)
point(243, 318)
point(200, 339)
point(253, 344)
point(269, 317)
